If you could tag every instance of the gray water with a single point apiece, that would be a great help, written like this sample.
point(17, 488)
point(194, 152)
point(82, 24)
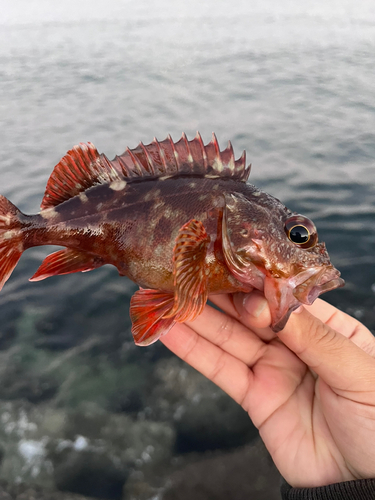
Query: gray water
point(291, 82)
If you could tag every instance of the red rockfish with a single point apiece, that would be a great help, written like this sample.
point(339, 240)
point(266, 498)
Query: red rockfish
point(179, 220)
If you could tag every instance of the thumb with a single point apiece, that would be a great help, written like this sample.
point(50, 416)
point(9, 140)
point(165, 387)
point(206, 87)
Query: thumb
point(335, 358)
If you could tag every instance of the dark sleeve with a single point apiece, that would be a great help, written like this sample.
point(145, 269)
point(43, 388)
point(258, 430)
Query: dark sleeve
point(362, 489)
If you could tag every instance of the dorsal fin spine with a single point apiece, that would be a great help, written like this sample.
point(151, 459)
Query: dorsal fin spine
point(227, 157)
point(161, 154)
point(135, 161)
point(189, 155)
point(242, 166)
point(215, 143)
point(204, 155)
point(149, 159)
point(175, 152)
point(218, 161)
point(231, 154)
point(125, 169)
point(106, 169)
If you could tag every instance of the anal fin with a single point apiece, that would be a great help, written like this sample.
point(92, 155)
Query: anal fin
point(66, 261)
point(147, 310)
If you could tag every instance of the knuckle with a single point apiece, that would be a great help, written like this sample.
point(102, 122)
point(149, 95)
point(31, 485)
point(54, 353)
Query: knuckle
point(324, 336)
point(190, 349)
point(217, 368)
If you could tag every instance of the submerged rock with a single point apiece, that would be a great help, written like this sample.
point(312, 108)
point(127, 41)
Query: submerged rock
point(19, 383)
point(90, 473)
point(88, 451)
point(26, 492)
point(204, 417)
point(241, 474)
point(213, 423)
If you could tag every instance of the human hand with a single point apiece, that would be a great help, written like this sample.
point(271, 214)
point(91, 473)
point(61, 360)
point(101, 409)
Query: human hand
point(310, 389)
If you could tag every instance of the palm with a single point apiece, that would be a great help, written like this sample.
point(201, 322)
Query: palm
point(282, 403)
point(303, 421)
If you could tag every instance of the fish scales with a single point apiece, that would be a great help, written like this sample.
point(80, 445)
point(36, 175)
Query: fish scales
point(130, 225)
point(178, 219)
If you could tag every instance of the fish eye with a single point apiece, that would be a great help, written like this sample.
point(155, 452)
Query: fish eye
point(301, 231)
point(299, 234)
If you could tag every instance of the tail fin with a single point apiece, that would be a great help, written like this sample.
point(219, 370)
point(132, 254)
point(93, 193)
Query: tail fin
point(11, 239)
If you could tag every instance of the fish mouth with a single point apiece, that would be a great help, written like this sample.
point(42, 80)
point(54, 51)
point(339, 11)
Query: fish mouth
point(286, 295)
point(326, 279)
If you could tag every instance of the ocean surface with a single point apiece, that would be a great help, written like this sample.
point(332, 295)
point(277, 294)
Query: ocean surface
point(290, 82)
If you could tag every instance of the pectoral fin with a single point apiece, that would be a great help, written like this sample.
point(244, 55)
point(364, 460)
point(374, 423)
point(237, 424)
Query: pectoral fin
point(65, 262)
point(147, 308)
point(154, 312)
point(190, 271)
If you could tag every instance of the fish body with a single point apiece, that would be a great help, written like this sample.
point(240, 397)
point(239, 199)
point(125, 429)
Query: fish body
point(178, 219)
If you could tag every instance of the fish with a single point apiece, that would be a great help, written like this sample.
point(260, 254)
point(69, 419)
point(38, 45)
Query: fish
point(181, 221)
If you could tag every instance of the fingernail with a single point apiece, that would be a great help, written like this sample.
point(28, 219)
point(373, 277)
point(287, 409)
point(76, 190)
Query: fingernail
point(254, 304)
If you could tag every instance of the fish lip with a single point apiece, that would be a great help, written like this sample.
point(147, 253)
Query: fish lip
point(280, 324)
point(323, 280)
point(284, 295)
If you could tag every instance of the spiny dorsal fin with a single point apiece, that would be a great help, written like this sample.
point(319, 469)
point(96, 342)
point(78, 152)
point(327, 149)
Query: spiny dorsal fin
point(83, 167)
point(162, 158)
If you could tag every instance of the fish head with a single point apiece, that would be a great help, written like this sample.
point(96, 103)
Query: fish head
point(276, 251)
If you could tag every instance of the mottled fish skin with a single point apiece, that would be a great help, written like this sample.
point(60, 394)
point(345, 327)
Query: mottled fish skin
point(134, 228)
point(178, 219)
